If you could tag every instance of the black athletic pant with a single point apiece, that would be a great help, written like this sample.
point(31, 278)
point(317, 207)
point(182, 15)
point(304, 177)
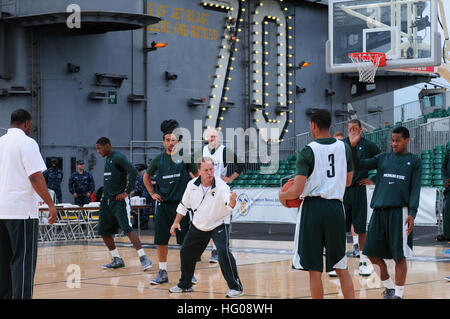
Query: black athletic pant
point(18, 254)
point(194, 245)
point(446, 215)
point(82, 199)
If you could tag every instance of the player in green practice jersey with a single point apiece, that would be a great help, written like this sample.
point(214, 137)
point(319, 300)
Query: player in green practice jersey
point(355, 199)
point(395, 202)
point(119, 179)
point(172, 177)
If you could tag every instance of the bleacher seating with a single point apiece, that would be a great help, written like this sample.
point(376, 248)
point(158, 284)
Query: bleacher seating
point(431, 159)
point(252, 178)
point(432, 166)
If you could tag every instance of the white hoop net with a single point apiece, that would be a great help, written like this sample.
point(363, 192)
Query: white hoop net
point(367, 65)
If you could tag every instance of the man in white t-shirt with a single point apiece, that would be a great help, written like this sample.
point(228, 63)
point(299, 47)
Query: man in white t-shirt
point(211, 201)
point(20, 184)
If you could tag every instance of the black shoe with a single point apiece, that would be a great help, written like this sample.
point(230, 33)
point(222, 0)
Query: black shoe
point(214, 256)
point(388, 293)
point(356, 252)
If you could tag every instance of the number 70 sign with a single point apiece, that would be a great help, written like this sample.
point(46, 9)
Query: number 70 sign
point(265, 12)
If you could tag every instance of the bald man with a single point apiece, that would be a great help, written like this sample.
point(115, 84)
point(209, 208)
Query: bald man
point(222, 157)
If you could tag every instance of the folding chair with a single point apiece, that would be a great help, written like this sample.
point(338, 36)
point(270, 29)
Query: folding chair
point(44, 231)
point(91, 218)
point(74, 222)
point(57, 230)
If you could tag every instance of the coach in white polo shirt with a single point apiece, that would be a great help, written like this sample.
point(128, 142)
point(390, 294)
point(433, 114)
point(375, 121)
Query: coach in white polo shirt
point(21, 182)
point(222, 156)
point(210, 200)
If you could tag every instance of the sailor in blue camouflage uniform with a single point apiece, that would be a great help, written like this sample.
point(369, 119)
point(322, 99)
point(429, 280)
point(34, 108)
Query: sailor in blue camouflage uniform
point(53, 177)
point(81, 185)
point(141, 191)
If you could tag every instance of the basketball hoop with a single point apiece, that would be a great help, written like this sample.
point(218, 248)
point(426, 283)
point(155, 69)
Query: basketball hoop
point(367, 64)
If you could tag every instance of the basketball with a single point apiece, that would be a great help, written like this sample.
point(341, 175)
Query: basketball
point(291, 203)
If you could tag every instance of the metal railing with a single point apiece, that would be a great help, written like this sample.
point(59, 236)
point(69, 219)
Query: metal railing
point(423, 135)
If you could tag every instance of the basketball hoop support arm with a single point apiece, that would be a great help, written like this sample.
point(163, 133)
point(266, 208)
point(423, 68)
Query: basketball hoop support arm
point(446, 53)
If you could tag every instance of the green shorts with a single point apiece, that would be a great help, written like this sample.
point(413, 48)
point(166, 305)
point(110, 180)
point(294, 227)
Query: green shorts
point(386, 234)
point(355, 203)
point(165, 213)
point(321, 224)
point(114, 215)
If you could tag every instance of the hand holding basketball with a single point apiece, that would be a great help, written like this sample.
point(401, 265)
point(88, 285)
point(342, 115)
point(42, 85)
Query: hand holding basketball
point(289, 203)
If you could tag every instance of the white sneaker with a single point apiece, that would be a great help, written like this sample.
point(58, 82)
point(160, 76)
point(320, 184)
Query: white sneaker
point(332, 274)
point(234, 293)
point(176, 289)
point(364, 270)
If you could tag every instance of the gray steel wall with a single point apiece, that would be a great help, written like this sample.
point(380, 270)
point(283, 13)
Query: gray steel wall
point(71, 123)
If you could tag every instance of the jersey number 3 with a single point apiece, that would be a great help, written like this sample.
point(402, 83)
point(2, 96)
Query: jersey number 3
point(331, 173)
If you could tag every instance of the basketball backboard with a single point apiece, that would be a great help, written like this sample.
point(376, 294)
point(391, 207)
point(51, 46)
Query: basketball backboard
point(405, 30)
